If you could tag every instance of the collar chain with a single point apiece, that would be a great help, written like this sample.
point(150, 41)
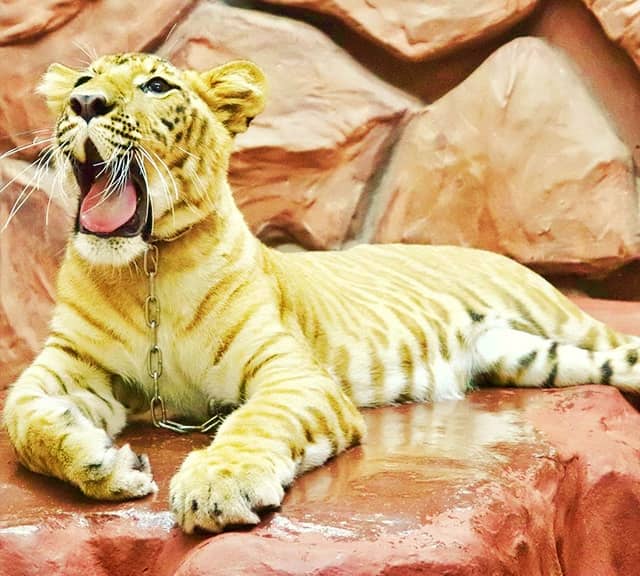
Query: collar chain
point(154, 355)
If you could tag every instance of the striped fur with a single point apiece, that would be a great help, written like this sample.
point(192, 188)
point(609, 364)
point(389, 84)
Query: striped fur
point(295, 342)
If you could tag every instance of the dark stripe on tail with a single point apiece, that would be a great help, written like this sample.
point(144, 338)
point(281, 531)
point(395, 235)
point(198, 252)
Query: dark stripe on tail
point(606, 372)
point(528, 359)
point(550, 382)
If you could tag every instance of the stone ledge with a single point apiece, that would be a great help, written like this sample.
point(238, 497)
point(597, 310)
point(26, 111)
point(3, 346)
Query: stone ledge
point(503, 482)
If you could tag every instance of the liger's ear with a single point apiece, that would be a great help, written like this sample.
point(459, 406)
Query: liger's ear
point(235, 92)
point(56, 85)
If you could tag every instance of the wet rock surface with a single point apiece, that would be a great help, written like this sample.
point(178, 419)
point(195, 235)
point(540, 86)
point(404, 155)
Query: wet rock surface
point(490, 484)
point(503, 482)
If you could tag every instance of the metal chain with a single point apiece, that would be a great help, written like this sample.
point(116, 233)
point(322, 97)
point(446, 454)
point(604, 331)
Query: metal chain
point(154, 355)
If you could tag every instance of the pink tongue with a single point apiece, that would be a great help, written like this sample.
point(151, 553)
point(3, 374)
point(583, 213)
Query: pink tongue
point(101, 215)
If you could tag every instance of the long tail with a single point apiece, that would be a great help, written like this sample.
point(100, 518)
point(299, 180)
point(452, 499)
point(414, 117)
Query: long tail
point(514, 357)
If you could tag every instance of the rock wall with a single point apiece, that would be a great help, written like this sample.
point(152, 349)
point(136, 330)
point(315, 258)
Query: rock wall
point(512, 125)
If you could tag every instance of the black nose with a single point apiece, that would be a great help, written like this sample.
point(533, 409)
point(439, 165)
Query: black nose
point(89, 105)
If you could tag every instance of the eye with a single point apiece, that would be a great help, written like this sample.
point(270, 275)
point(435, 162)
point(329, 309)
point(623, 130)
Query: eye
point(81, 81)
point(156, 85)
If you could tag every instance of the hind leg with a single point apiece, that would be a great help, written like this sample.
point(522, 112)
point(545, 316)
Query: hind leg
point(517, 358)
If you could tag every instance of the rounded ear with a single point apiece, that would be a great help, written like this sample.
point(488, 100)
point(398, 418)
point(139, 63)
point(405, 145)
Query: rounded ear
point(56, 85)
point(235, 92)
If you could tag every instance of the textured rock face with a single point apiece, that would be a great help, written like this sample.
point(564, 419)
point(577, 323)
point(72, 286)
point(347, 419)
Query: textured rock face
point(612, 76)
point(621, 21)
point(308, 170)
point(502, 164)
point(518, 158)
point(302, 168)
point(21, 21)
point(589, 496)
point(418, 29)
point(93, 30)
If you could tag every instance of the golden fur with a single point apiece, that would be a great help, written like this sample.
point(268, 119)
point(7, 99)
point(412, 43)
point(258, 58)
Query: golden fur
point(293, 342)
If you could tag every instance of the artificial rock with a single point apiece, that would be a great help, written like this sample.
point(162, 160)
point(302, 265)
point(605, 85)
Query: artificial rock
point(508, 162)
point(303, 167)
point(419, 29)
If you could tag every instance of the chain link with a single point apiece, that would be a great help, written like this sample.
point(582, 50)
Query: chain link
point(154, 355)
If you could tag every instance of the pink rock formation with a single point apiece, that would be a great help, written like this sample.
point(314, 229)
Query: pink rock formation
point(22, 21)
point(621, 21)
point(600, 480)
point(504, 482)
point(304, 165)
point(30, 250)
point(518, 159)
point(606, 69)
point(99, 28)
point(419, 29)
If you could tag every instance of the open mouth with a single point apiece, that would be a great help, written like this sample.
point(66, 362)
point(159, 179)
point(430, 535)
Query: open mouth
point(106, 210)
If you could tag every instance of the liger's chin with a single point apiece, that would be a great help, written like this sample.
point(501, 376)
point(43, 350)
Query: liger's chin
point(113, 251)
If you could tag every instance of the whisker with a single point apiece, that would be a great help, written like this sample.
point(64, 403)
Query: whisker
point(26, 147)
point(198, 183)
point(54, 158)
point(168, 171)
point(88, 51)
point(200, 187)
point(165, 187)
point(34, 131)
point(187, 152)
point(46, 214)
point(173, 41)
point(58, 162)
point(118, 166)
point(29, 187)
point(42, 166)
point(164, 165)
point(16, 177)
point(17, 205)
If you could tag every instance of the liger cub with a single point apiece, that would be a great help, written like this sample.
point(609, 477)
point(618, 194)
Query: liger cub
point(165, 299)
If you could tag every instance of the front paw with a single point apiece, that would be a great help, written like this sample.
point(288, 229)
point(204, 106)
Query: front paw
point(119, 475)
point(211, 492)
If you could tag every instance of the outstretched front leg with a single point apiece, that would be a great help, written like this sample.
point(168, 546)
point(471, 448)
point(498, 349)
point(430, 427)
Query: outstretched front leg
point(61, 416)
point(295, 418)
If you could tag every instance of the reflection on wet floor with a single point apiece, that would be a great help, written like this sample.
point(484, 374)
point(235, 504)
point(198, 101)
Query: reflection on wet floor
point(419, 461)
point(436, 456)
point(487, 477)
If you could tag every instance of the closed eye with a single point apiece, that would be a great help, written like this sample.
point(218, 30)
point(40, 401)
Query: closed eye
point(157, 85)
